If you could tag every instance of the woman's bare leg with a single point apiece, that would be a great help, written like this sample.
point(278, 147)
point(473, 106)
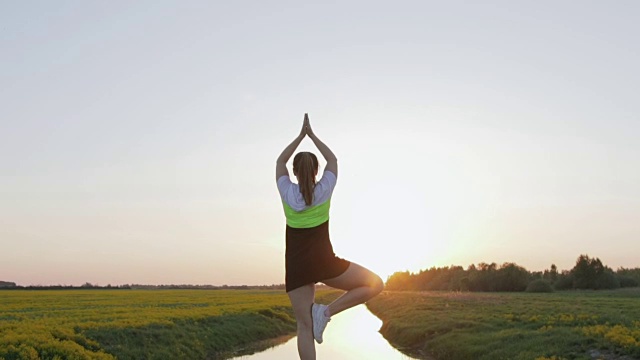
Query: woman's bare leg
point(301, 300)
point(361, 285)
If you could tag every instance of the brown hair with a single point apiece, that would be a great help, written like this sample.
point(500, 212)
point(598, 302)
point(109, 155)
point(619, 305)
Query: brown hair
point(305, 167)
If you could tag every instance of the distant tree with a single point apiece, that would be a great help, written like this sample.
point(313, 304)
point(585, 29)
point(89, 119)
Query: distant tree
point(458, 280)
point(590, 273)
point(539, 285)
point(471, 267)
point(535, 275)
point(551, 275)
point(628, 277)
point(586, 271)
point(511, 277)
point(626, 281)
point(7, 284)
point(483, 279)
point(564, 281)
point(553, 272)
point(607, 280)
point(400, 280)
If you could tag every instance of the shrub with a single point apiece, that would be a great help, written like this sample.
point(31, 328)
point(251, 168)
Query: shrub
point(539, 285)
point(626, 281)
point(564, 281)
point(587, 272)
point(629, 273)
point(511, 277)
point(607, 280)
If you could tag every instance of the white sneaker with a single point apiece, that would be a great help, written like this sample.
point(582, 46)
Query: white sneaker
point(320, 321)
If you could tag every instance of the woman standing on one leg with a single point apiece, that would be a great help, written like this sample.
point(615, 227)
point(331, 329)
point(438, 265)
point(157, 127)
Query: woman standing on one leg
point(309, 255)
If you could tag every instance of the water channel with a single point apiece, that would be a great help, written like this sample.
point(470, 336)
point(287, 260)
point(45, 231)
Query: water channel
point(350, 335)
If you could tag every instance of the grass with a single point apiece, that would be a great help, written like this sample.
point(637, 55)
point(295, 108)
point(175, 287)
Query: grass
point(216, 324)
point(531, 326)
point(140, 324)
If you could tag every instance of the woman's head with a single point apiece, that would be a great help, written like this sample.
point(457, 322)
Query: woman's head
point(305, 168)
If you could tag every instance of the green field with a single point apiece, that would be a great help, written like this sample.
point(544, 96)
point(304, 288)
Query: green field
point(561, 325)
point(140, 324)
point(217, 324)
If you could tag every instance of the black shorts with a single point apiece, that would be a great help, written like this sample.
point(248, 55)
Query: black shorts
point(309, 257)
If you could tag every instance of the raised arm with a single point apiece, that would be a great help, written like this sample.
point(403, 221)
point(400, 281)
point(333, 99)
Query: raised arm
point(329, 156)
point(281, 163)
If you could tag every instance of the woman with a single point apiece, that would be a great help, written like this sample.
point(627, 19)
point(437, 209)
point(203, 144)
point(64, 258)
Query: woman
point(309, 255)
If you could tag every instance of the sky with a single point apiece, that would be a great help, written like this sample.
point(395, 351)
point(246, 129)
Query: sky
point(138, 139)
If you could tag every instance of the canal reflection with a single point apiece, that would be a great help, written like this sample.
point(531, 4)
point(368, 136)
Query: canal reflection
point(352, 334)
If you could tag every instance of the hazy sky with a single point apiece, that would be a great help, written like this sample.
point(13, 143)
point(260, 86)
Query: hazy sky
point(138, 139)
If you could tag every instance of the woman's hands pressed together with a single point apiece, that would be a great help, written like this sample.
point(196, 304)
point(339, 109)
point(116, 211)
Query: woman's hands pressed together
point(306, 127)
point(281, 168)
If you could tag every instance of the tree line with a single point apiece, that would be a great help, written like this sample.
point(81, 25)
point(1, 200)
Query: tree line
point(588, 273)
point(6, 285)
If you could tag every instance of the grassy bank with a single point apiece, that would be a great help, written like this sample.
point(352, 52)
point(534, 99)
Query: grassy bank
point(136, 324)
point(561, 325)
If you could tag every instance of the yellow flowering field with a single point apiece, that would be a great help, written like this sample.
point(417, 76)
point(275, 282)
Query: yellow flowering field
point(563, 325)
point(131, 324)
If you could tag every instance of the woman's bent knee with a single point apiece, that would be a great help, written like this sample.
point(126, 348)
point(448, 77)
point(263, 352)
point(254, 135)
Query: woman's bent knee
point(377, 286)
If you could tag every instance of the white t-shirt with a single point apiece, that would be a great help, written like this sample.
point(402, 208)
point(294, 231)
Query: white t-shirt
point(291, 195)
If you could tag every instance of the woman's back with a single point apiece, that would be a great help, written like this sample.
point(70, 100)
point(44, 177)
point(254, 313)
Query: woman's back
point(297, 212)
